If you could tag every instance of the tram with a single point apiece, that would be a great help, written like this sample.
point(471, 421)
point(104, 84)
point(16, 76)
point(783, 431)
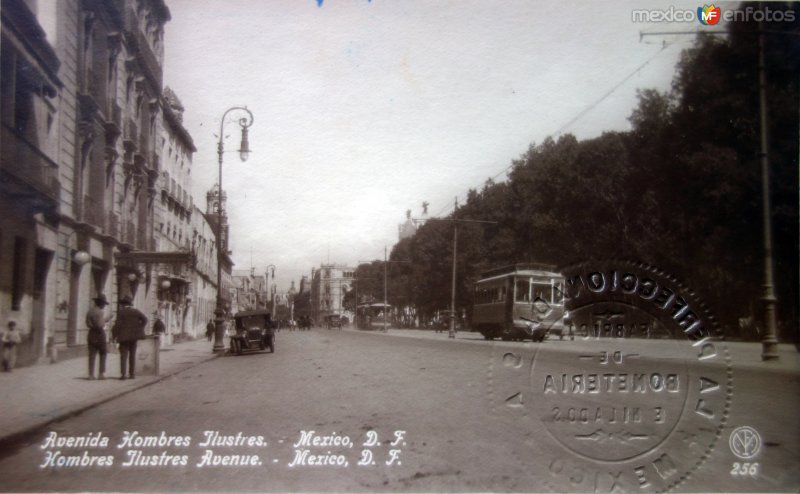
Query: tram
point(371, 316)
point(517, 302)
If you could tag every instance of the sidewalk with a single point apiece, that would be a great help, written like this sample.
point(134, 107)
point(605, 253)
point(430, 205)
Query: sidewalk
point(32, 397)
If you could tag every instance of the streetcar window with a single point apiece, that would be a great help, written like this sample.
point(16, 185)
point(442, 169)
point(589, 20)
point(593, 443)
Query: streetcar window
point(522, 291)
point(558, 293)
point(542, 292)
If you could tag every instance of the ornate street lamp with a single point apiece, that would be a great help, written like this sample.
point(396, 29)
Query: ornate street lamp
point(244, 120)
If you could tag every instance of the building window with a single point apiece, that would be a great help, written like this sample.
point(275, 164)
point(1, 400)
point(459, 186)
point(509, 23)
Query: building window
point(18, 273)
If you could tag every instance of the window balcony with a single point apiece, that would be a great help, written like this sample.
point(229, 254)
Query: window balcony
point(28, 174)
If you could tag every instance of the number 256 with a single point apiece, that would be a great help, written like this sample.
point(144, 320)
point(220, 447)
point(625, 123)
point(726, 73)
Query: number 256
point(746, 469)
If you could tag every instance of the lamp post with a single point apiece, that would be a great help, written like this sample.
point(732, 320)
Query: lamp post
point(270, 268)
point(769, 339)
point(274, 291)
point(244, 120)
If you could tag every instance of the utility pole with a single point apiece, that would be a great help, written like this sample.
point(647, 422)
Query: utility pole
point(769, 340)
point(385, 289)
point(386, 262)
point(452, 330)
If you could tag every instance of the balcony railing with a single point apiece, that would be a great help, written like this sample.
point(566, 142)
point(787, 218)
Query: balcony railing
point(29, 165)
point(146, 55)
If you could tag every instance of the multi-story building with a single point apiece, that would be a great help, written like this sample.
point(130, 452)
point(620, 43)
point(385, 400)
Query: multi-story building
point(112, 54)
point(245, 286)
point(30, 183)
point(215, 202)
point(80, 119)
point(172, 219)
point(329, 284)
point(95, 174)
point(203, 293)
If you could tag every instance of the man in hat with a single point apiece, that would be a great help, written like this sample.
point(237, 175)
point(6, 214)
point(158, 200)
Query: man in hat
point(96, 320)
point(127, 331)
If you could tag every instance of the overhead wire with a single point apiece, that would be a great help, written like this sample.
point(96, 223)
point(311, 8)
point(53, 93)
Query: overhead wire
point(449, 208)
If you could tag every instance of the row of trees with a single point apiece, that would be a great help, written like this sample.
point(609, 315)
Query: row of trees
point(681, 191)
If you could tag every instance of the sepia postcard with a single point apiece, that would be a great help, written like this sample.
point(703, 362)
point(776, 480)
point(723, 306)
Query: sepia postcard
point(399, 246)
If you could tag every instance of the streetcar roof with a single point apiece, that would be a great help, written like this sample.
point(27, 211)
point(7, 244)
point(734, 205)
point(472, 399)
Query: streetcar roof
point(537, 267)
point(523, 273)
point(377, 305)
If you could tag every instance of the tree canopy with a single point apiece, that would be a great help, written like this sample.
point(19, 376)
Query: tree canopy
point(681, 191)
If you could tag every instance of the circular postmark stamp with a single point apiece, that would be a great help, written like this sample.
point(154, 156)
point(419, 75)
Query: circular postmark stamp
point(636, 401)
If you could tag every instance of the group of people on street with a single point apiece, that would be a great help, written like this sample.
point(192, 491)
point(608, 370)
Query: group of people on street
point(127, 330)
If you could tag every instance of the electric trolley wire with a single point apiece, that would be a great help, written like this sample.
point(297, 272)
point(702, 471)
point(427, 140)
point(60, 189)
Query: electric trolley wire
point(447, 209)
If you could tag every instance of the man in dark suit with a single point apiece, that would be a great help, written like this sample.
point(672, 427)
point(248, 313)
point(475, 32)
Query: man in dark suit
point(127, 331)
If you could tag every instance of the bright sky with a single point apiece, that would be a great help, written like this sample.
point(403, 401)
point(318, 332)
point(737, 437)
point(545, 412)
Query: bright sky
point(364, 109)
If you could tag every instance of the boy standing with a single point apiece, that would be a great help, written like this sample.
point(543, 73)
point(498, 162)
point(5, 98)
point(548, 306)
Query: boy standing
point(10, 338)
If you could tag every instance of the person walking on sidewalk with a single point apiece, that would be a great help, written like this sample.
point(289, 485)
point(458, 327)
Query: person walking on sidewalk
point(158, 325)
point(127, 331)
point(210, 329)
point(96, 320)
point(10, 338)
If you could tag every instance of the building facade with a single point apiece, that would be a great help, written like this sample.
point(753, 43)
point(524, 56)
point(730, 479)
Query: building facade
point(31, 187)
point(173, 228)
point(203, 294)
point(94, 174)
point(215, 202)
point(329, 284)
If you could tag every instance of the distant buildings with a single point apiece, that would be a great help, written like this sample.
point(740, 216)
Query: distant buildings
point(329, 284)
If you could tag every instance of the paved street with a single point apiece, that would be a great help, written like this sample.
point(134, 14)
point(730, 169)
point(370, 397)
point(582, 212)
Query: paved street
point(424, 413)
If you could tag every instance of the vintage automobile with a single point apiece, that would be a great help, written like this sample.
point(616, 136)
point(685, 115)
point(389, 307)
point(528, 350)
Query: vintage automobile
point(252, 331)
point(333, 321)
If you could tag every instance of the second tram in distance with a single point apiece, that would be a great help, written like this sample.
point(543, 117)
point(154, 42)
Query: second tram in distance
point(519, 302)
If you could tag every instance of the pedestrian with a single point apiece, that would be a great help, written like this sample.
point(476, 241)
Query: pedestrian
point(127, 331)
point(210, 327)
point(96, 320)
point(158, 325)
point(10, 338)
